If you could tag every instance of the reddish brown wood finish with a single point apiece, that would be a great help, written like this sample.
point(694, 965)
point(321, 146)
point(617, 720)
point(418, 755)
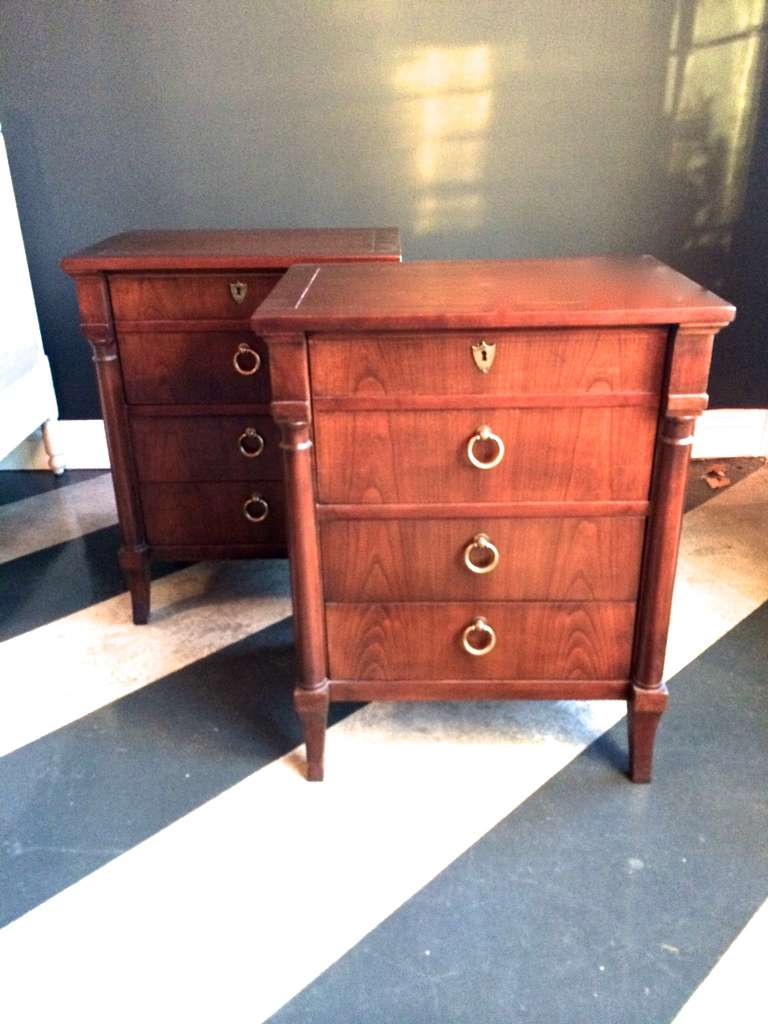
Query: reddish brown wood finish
point(206, 448)
point(291, 410)
point(188, 296)
point(588, 352)
point(190, 514)
point(489, 510)
point(644, 711)
point(595, 362)
point(421, 455)
point(579, 640)
point(478, 294)
point(485, 689)
point(166, 327)
point(556, 559)
point(194, 368)
point(97, 326)
point(227, 248)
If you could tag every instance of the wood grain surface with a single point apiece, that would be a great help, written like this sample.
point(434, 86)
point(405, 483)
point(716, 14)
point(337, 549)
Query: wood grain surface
point(180, 514)
point(548, 362)
point(534, 640)
point(474, 294)
point(179, 448)
point(539, 559)
point(225, 248)
point(420, 456)
point(187, 296)
point(191, 367)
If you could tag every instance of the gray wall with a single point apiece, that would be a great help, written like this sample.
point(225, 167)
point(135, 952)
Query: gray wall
point(501, 128)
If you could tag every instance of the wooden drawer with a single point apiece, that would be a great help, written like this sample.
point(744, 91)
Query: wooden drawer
point(565, 559)
point(595, 360)
point(188, 296)
point(566, 454)
point(193, 368)
point(179, 448)
point(533, 641)
point(211, 513)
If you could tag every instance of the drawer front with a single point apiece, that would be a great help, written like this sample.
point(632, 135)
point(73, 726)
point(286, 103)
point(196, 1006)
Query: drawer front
point(521, 362)
point(179, 448)
point(212, 513)
point(532, 641)
point(568, 559)
point(214, 296)
point(194, 368)
point(421, 456)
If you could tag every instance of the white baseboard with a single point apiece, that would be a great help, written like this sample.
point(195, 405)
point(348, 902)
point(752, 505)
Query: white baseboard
point(81, 443)
point(720, 434)
point(731, 434)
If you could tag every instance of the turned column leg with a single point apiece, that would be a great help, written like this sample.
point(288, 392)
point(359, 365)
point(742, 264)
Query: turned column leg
point(135, 565)
point(291, 410)
point(312, 707)
point(644, 711)
point(97, 323)
point(649, 695)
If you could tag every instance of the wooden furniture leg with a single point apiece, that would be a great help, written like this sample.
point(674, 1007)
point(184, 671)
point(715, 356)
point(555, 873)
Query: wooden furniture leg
point(312, 707)
point(292, 413)
point(644, 711)
point(135, 565)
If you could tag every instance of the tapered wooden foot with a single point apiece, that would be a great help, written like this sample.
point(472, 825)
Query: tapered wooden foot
point(135, 565)
point(644, 711)
point(312, 707)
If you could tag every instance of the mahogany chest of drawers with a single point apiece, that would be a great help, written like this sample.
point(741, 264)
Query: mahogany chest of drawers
point(485, 469)
point(184, 384)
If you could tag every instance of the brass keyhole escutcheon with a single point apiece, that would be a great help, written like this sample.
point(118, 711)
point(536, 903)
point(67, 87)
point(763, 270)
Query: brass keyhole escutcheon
point(250, 443)
point(246, 360)
point(484, 355)
point(238, 290)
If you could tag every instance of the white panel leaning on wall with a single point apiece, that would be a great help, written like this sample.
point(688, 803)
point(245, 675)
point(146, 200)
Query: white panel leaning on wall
point(27, 398)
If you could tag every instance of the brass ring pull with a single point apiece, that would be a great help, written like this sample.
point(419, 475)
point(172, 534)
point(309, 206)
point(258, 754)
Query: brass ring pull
point(245, 360)
point(250, 443)
point(481, 542)
point(485, 433)
point(479, 625)
point(255, 502)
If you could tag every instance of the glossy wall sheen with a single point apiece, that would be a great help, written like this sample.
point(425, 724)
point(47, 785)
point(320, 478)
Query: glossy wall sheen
point(480, 128)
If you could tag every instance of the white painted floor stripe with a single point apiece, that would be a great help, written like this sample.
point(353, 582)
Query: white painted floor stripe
point(59, 672)
point(46, 519)
point(734, 990)
point(235, 908)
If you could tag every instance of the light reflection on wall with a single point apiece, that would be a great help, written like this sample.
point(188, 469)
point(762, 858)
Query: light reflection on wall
point(447, 110)
point(713, 81)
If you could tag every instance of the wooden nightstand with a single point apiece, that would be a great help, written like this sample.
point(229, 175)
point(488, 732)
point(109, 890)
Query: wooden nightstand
point(485, 467)
point(184, 384)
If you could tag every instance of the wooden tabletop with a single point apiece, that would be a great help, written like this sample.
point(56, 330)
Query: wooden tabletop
point(230, 249)
point(487, 293)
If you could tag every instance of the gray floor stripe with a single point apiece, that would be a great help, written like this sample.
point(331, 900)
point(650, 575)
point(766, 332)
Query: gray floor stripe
point(80, 796)
point(18, 484)
point(56, 581)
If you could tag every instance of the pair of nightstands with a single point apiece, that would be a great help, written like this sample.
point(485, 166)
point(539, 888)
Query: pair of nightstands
point(484, 463)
